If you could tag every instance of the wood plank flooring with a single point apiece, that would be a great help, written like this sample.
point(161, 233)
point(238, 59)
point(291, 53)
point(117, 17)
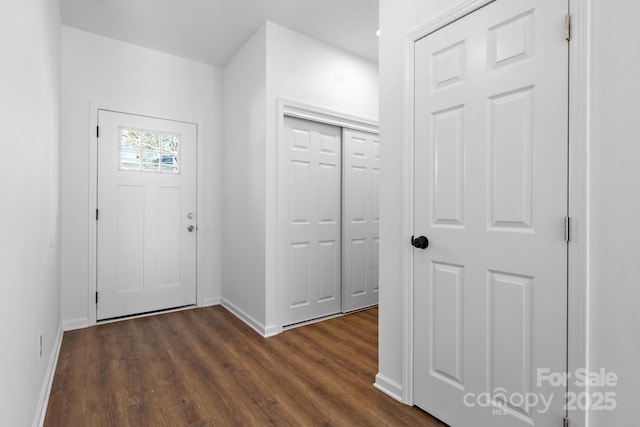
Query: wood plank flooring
point(204, 367)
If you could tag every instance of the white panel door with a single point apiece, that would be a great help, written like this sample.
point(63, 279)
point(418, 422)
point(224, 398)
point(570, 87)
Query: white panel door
point(361, 218)
point(147, 204)
point(491, 196)
point(310, 189)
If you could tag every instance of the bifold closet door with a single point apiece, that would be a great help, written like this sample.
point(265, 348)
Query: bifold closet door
point(361, 218)
point(310, 207)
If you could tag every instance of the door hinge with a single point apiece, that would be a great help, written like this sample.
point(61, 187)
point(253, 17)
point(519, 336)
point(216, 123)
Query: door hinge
point(96, 297)
point(565, 422)
point(567, 228)
point(97, 131)
point(567, 27)
point(97, 214)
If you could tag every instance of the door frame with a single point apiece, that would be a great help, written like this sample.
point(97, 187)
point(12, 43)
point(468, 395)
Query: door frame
point(94, 107)
point(274, 229)
point(578, 139)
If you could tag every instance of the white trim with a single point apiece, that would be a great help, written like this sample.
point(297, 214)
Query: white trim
point(579, 141)
point(73, 324)
point(43, 402)
point(579, 130)
point(271, 331)
point(210, 301)
point(94, 106)
point(273, 294)
point(274, 229)
point(389, 387)
point(93, 204)
point(325, 115)
point(407, 221)
point(247, 318)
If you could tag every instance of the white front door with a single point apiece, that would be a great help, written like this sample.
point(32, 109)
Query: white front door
point(146, 214)
point(310, 191)
point(361, 219)
point(491, 146)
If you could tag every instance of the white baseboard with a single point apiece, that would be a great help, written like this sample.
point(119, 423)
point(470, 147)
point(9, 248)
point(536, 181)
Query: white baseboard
point(246, 318)
point(389, 387)
point(272, 330)
point(73, 324)
point(43, 401)
point(208, 302)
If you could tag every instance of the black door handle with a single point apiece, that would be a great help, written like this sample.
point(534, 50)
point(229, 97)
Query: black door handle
point(420, 242)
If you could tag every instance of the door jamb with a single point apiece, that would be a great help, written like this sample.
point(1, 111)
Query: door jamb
point(579, 141)
point(94, 106)
point(579, 134)
point(274, 229)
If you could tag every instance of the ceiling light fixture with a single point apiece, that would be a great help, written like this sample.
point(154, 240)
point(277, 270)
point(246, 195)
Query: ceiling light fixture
point(378, 33)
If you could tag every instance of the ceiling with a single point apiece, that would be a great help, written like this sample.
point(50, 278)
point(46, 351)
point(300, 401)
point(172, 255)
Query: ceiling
point(211, 31)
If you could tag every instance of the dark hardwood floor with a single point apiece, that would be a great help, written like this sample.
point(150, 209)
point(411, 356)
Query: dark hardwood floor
point(204, 367)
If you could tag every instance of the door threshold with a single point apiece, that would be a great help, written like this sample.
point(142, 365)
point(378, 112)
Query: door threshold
point(146, 314)
point(356, 310)
point(312, 321)
point(323, 318)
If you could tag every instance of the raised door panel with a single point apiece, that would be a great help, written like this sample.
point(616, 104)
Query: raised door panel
point(510, 134)
point(169, 236)
point(130, 238)
point(448, 167)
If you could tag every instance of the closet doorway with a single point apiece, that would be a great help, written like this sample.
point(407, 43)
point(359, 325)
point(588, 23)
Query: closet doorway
point(329, 216)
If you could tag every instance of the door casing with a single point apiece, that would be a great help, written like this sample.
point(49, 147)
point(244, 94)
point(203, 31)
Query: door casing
point(94, 106)
point(286, 107)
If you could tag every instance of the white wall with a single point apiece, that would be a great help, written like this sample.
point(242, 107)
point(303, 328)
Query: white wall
point(397, 18)
point(614, 291)
point(243, 257)
point(30, 214)
point(143, 81)
point(275, 62)
point(306, 70)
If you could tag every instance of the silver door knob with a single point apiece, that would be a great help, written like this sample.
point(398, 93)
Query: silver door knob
point(190, 228)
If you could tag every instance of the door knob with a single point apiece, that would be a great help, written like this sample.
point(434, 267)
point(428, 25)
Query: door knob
point(190, 228)
point(420, 242)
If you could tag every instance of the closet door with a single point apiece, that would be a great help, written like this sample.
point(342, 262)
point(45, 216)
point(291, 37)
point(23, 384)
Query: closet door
point(310, 209)
point(361, 218)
